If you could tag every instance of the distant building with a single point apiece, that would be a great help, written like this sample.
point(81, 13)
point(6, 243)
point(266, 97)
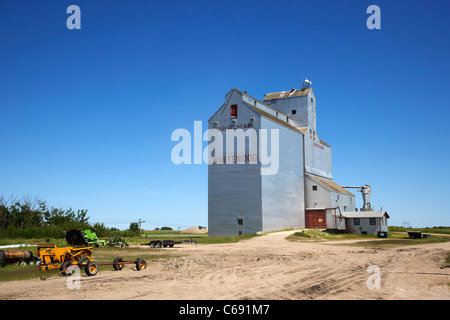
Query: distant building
point(367, 222)
point(302, 193)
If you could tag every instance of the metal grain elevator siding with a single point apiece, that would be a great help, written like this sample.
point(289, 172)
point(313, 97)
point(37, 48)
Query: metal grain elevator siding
point(234, 190)
point(283, 193)
point(239, 193)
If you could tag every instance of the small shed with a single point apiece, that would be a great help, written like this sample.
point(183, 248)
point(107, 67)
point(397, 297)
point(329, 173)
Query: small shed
point(367, 222)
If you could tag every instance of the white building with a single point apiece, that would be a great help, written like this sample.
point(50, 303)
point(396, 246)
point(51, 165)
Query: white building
point(302, 193)
point(367, 222)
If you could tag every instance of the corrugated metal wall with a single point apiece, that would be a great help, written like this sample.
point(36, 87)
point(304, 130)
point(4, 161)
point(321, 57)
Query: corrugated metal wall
point(239, 191)
point(234, 190)
point(283, 194)
point(319, 198)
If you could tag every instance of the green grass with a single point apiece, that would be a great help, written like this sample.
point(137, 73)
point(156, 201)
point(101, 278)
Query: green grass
point(439, 230)
point(303, 234)
point(395, 238)
point(12, 273)
point(318, 235)
point(202, 238)
point(225, 239)
point(399, 242)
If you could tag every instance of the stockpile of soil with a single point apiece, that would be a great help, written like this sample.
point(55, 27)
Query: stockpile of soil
point(194, 230)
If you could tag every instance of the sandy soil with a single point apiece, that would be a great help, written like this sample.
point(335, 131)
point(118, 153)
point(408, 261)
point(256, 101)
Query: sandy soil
point(267, 267)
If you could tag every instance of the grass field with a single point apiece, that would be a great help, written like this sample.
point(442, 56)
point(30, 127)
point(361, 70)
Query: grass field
point(438, 230)
point(395, 238)
point(318, 235)
point(203, 238)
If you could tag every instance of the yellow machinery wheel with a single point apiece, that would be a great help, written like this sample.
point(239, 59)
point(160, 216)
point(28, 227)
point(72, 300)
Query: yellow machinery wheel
point(141, 264)
point(91, 268)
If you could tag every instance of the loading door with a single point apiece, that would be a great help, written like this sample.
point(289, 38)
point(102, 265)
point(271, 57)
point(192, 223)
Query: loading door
point(316, 219)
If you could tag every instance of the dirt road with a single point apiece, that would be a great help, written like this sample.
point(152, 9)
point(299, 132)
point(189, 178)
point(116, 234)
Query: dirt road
point(266, 267)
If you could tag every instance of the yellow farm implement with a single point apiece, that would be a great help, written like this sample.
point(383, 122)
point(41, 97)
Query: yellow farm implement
point(53, 257)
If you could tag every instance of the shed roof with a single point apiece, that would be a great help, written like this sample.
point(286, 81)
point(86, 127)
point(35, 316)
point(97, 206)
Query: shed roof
point(287, 94)
point(365, 214)
point(330, 184)
point(273, 118)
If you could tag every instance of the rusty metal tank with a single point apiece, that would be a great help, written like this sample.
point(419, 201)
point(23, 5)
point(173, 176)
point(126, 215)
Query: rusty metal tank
point(11, 256)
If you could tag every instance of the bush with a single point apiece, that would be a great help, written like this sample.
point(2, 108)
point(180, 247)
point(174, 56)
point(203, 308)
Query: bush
point(34, 232)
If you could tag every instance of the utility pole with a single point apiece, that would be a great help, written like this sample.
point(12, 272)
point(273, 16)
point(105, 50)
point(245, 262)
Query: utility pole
point(140, 227)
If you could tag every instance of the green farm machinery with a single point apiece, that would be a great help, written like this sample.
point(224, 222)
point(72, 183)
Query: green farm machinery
point(88, 237)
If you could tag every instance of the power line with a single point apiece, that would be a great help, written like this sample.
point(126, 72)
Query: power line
point(140, 227)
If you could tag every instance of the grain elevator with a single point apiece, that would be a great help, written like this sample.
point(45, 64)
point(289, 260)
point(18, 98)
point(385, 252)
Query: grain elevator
point(247, 193)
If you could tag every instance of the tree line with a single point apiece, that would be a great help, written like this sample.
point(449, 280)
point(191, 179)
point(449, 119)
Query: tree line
point(33, 218)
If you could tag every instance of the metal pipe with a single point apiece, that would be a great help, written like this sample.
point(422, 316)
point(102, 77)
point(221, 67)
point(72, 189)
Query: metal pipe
point(365, 192)
point(17, 246)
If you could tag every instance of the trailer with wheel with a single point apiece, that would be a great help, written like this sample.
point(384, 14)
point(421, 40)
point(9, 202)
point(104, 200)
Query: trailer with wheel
point(92, 267)
point(160, 243)
point(169, 243)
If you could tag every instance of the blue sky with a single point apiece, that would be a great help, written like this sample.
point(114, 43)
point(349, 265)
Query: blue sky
point(86, 115)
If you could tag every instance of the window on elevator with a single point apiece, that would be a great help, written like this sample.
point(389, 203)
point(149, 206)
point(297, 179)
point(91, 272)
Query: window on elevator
point(233, 111)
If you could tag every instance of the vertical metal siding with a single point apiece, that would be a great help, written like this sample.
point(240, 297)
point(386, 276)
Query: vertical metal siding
point(234, 190)
point(283, 193)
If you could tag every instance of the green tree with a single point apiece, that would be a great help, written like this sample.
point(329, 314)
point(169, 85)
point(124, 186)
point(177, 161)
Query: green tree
point(134, 226)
